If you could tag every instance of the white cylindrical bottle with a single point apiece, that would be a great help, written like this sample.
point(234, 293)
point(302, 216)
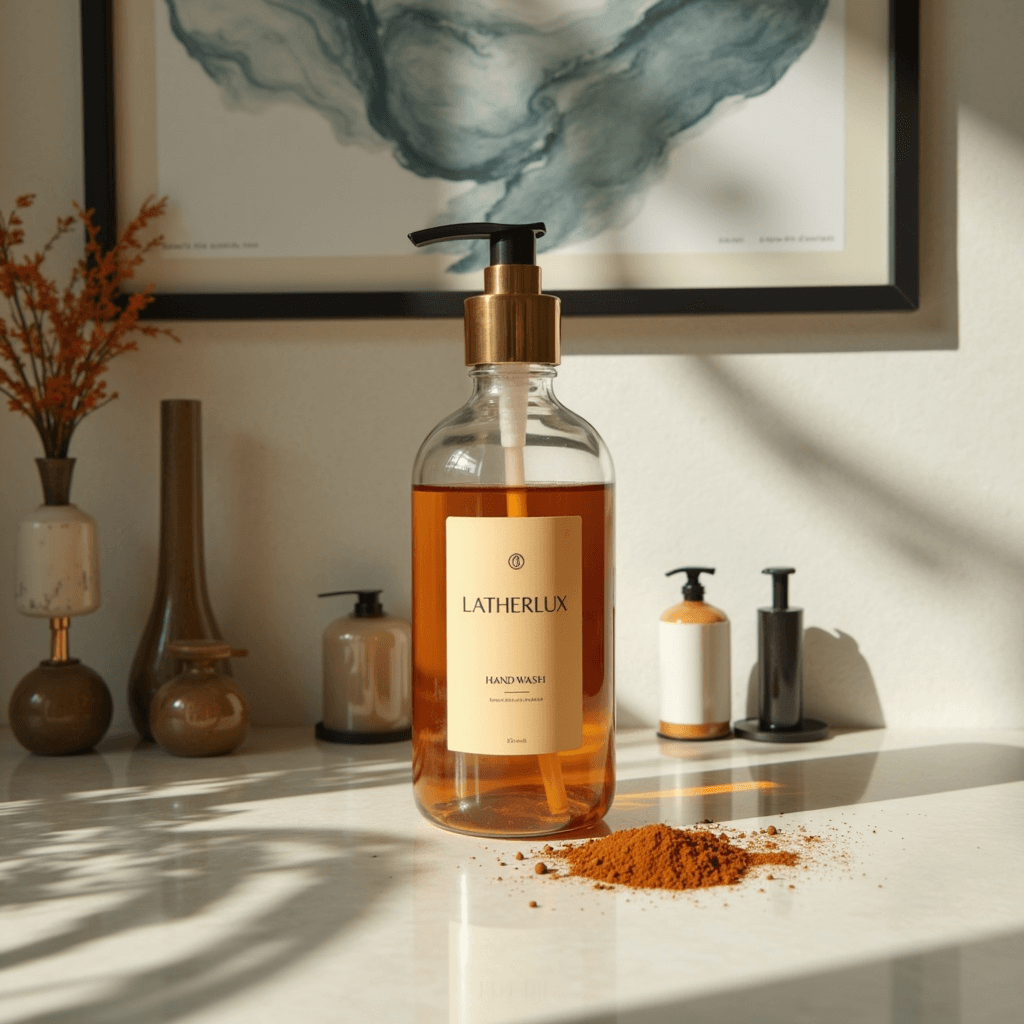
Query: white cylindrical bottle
point(367, 675)
point(696, 680)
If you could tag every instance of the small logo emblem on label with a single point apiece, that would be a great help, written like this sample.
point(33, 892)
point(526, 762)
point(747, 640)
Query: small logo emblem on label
point(516, 561)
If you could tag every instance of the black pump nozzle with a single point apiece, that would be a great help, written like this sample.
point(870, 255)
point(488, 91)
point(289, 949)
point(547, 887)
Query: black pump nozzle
point(780, 587)
point(510, 243)
point(692, 589)
point(367, 607)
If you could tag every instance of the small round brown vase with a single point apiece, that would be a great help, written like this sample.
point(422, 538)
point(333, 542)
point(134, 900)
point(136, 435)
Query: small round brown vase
point(60, 707)
point(202, 712)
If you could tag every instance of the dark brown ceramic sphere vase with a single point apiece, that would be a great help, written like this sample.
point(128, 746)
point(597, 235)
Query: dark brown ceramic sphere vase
point(60, 708)
point(202, 712)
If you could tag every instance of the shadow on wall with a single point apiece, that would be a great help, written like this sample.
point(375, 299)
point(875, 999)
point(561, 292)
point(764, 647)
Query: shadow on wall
point(990, 83)
point(255, 567)
point(627, 718)
point(937, 542)
point(838, 685)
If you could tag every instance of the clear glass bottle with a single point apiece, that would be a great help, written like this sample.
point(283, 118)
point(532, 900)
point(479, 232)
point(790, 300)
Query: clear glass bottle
point(513, 526)
point(367, 674)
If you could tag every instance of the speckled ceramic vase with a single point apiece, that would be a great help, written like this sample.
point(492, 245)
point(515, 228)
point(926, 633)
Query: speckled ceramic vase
point(58, 569)
point(181, 608)
point(202, 712)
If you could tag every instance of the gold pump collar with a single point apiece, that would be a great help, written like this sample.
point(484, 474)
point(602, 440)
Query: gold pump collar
point(513, 321)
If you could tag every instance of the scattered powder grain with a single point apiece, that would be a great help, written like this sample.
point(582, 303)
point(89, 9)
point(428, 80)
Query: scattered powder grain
point(661, 857)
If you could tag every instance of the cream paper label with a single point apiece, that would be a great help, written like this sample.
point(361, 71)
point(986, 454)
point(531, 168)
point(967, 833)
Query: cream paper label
point(515, 634)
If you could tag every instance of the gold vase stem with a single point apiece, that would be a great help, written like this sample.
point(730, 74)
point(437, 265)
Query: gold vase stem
point(59, 639)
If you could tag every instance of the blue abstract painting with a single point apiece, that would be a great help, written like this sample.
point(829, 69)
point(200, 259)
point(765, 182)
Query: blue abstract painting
point(566, 112)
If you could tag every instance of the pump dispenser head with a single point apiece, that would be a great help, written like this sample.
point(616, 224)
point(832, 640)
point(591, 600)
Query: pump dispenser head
point(693, 590)
point(513, 321)
point(780, 588)
point(367, 607)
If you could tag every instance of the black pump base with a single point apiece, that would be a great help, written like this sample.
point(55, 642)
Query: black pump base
point(808, 730)
point(344, 736)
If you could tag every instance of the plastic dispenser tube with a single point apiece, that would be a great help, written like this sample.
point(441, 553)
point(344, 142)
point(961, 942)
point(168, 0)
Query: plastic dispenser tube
point(513, 404)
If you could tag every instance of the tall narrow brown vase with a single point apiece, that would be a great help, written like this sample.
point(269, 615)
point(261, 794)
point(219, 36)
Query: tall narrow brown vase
point(181, 609)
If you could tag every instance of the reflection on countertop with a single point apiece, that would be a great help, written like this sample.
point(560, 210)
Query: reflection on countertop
point(295, 880)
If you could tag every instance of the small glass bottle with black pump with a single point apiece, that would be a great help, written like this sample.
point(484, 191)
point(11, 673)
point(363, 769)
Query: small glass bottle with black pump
point(366, 674)
point(512, 505)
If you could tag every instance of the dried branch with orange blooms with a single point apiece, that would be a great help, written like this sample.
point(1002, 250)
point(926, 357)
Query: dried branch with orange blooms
point(57, 344)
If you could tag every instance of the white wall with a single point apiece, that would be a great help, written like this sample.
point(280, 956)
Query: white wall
point(879, 454)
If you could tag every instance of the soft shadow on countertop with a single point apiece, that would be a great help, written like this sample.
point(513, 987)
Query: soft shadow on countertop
point(810, 784)
point(922, 988)
point(158, 841)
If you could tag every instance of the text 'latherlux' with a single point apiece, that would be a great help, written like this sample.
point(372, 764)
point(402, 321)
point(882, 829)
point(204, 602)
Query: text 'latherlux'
point(515, 605)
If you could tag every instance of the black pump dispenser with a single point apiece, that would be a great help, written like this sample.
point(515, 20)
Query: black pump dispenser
point(780, 588)
point(510, 243)
point(513, 321)
point(780, 672)
point(367, 607)
point(693, 590)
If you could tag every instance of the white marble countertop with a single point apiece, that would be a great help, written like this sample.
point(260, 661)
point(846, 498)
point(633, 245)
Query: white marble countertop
point(295, 882)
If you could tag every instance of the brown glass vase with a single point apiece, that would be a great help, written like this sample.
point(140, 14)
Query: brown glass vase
point(201, 713)
point(181, 608)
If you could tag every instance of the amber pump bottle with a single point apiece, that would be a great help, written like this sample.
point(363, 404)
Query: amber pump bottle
point(512, 508)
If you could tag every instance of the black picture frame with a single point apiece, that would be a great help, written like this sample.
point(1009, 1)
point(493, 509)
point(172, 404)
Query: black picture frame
point(900, 293)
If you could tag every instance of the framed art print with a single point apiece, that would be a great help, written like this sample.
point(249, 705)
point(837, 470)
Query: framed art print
point(685, 155)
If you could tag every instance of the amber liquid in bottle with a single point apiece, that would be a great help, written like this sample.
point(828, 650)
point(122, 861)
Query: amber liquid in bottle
point(505, 795)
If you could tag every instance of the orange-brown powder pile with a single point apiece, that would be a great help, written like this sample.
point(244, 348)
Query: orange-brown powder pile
point(660, 857)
